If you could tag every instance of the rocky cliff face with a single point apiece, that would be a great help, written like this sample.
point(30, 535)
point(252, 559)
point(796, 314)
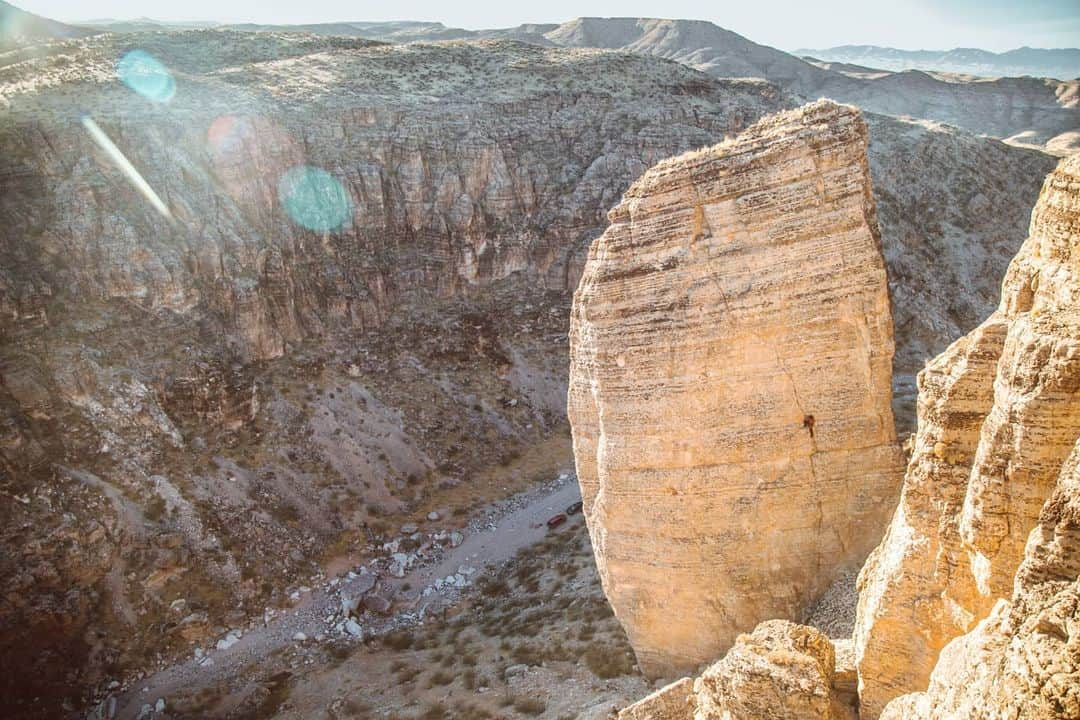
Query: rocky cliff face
point(1029, 110)
point(999, 412)
point(731, 348)
point(953, 209)
point(1021, 660)
point(1037, 111)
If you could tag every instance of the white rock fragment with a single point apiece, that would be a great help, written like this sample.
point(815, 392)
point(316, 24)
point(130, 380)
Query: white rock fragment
point(349, 604)
point(229, 640)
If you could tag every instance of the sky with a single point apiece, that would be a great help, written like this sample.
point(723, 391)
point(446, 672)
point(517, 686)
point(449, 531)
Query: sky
point(787, 24)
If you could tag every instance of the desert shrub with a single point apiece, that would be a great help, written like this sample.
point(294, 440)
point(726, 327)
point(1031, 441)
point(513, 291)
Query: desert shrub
point(399, 640)
point(285, 512)
point(407, 674)
point(607, 663)
point(440, 677)
point(435, 711)
point(494, 587)
point(155, 508)
point(529, 706)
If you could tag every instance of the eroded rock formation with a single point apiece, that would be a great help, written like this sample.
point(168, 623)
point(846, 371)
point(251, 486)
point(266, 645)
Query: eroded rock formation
point(175, 390)
point(1022, 660)
point(780, 671)
point(731, 348)
point(674, 701)
point(999, 412)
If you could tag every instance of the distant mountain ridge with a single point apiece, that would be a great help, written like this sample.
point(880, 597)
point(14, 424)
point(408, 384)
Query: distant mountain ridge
point(18, 27)
point(1061, 63)
point(1036, 112)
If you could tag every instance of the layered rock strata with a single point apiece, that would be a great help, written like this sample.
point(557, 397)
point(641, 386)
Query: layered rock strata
point(731, 348)
point(999, 412)
point(1022, 660)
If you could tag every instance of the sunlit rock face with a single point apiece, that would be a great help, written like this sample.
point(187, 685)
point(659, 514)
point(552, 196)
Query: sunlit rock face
point(366, 252)
point(731, 357)
point(780, 671)
point(1021, 660)
point(999, 412)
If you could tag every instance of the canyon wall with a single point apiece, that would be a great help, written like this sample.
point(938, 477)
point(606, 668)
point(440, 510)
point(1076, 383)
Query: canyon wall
point(1021, 660)
point(731, 357)
point(999, 412)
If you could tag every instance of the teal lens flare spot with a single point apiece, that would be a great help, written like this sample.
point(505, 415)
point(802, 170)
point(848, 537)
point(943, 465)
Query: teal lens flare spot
point(144, 74)
point(315, 199)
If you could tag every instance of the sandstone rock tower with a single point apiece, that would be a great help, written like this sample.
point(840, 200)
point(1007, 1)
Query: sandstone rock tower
point(999, 413)
point(731, 353)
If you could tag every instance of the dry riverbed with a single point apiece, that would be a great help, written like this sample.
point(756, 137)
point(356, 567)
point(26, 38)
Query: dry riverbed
point(505, 615)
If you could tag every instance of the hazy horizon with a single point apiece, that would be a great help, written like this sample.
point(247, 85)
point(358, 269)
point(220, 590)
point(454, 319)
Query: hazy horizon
point(996, 25)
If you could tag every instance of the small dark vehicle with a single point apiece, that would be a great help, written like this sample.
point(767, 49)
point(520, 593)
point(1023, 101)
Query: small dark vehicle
point(556, 520)
point(574, 509)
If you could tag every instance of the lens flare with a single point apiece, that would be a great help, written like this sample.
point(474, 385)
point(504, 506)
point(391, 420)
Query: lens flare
point(120, 160)
point(144, 74)
point(227, 134)
point(315, 199)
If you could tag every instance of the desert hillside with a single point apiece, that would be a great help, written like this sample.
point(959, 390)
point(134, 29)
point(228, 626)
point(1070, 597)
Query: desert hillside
point(1039, 110)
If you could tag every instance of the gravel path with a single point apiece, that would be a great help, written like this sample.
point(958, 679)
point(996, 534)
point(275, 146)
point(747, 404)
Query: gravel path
point(495, 537)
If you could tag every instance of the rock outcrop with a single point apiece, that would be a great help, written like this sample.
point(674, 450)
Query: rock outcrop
point(1021, 661)
point(731, 348)
point(999, 412)
point(675, 701)
point(780, 671)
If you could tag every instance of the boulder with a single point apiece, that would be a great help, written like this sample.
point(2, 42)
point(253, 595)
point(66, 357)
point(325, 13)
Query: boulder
point(672, 702)
point(780, 671)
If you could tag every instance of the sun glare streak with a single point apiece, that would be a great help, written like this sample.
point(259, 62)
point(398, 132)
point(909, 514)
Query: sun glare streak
point(121, 161)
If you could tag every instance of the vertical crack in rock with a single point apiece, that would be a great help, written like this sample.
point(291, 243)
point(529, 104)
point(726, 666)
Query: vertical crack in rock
point(713, 499)
point(999, 412)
